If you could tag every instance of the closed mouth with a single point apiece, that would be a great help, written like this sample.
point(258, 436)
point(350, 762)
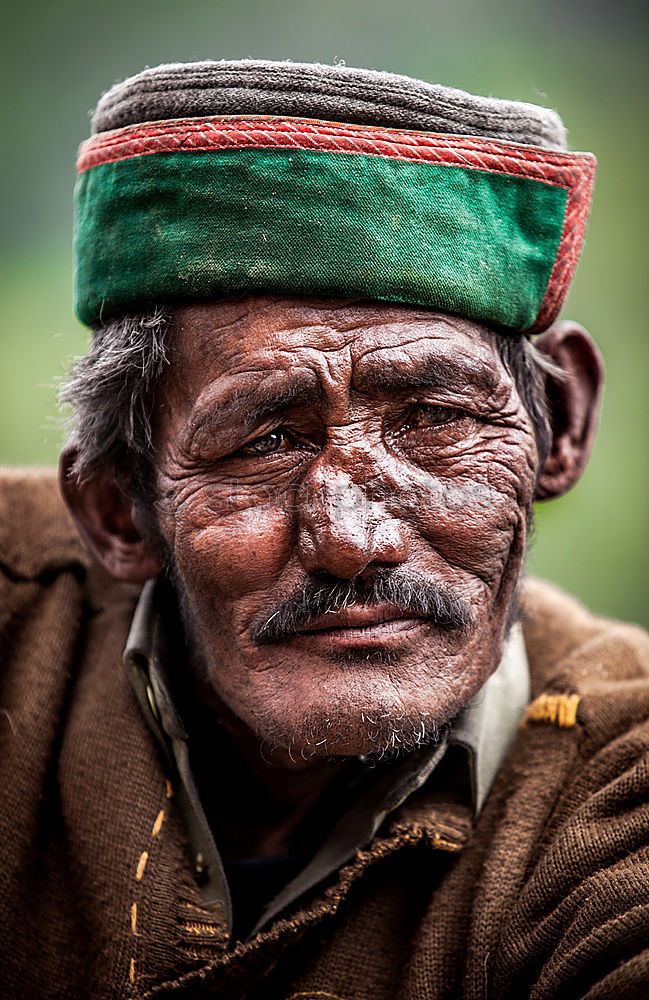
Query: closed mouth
point(360, 617)
point(360, 625)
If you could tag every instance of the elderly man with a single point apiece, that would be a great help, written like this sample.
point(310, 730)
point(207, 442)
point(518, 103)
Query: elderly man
point(352, 754)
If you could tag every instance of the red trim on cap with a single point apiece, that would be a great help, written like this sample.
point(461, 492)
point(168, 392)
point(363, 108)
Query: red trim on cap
point(572, 239)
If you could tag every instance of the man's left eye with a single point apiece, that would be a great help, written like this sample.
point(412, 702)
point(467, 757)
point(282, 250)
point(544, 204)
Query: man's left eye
point(266, 445)
point(429, 415)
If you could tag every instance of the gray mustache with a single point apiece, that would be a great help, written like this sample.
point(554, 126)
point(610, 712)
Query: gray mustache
point(406, 590)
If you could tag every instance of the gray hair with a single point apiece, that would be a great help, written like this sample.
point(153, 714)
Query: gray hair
point(112, 391)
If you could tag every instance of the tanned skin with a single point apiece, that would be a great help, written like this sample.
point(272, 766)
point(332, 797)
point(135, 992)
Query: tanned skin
point(301, 439)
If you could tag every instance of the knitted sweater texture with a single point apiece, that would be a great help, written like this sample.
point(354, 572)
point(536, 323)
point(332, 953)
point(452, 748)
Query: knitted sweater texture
point(546, 896)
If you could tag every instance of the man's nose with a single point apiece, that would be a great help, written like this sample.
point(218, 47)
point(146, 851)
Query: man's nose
point(341, 531)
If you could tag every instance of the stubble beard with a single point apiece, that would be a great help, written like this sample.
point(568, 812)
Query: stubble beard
point(341, 730)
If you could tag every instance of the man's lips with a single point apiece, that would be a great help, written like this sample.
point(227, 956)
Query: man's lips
point(359, 616)
point(378, 625)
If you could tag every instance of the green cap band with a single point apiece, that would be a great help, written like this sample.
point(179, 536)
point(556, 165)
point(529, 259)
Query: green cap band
point(193, 209)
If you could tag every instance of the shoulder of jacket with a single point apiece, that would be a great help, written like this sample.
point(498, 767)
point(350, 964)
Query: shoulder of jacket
point(37, 534)
point(586, 671)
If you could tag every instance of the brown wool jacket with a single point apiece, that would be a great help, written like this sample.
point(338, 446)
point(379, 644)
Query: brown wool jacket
point(547, 896)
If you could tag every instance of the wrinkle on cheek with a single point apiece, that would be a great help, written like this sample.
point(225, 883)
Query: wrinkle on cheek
point(503, 466)
point(469, 510)
point(201, 498)
point(179, 490)
point(238, 553)
point(222, 500)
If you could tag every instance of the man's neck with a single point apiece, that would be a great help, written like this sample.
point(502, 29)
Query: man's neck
point(259, 800)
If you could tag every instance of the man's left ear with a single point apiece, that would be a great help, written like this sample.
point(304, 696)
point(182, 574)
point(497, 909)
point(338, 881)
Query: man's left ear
point(574, 405)
point(108, 523)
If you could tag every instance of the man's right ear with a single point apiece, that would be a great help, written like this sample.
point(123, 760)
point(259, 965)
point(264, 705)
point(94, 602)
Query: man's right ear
point(107, 521)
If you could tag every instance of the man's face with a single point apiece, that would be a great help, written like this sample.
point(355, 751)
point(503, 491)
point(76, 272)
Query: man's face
point(344, 489)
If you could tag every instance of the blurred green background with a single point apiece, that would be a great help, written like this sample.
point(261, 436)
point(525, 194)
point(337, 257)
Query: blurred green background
point(587, 58)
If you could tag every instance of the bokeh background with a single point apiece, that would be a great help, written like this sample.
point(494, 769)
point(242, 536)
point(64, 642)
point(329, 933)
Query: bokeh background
point(587, 58)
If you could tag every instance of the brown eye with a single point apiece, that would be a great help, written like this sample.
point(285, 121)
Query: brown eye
point(265, 445)
point(435, 415)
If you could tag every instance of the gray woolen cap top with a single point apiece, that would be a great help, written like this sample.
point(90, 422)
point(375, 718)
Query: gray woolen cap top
point(331, 93)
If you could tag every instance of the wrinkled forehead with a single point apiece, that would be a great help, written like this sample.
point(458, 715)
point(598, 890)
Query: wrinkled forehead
point(363, 344)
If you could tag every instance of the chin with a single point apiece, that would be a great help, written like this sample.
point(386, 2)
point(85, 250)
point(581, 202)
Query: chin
point(347, 730)
point(369, 736)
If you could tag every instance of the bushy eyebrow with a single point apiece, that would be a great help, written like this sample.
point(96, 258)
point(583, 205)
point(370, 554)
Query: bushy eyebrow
point(441, 372)
point(294, 395)
point(249, 404)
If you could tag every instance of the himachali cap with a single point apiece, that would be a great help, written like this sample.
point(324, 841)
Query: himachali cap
point(214, 178)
